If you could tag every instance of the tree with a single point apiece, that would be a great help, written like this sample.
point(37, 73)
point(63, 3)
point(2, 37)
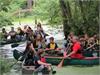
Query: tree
point(65, 14)
point(4, 17)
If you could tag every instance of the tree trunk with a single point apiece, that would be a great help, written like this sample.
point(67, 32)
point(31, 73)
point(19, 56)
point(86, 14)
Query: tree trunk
point(65, 15)
point(85, 28)
point(29, 4)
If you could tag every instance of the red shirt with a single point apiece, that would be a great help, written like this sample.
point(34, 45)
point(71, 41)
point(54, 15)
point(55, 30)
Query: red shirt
point(77, 47)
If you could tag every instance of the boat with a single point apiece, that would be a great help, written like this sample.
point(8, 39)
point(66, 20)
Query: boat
point(10, 41)
point(69, 61)
point(55, 60)
point(30, 70)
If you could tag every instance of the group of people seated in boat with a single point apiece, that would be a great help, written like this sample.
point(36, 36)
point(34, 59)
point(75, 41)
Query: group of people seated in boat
point(89, 45)
point(22, 34)
point(37, 45)
point(12, 34)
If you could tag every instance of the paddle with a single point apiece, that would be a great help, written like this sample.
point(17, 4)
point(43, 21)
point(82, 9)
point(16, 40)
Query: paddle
point(19, 59)
point(61, 63)
point(15, 45)
point(90, 47)
point(65, 52)
point(16, 61)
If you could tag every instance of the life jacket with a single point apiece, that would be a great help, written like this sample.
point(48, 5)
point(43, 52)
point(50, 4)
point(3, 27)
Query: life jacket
point(78, 54)
point(43, 59)
point(79, 51)
point(52, 46)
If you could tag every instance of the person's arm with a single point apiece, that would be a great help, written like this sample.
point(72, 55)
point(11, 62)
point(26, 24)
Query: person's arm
point(48, 47)
point(73, 52)
point(42, 63)
point(75, 49)
point(56, 47)
point(33, 49)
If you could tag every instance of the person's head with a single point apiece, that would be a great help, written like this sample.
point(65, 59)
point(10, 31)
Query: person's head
point(39, 37)
point(38, 28)
point(81, 38)
point(25, 26)
point(3, 30)
point(86, 36)
point(12, 28)
point(91, 40)
point(39, 25)
point(51, 40)
point(29, 29)
point(95, 36)
point(28, 44)
point(75, 39)
point(71, 34)
point(19, 29)
point(28, 48)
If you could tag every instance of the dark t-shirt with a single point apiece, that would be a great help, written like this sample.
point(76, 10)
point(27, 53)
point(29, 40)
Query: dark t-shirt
point(12, 34)
point(36, 59)
point(21, 33)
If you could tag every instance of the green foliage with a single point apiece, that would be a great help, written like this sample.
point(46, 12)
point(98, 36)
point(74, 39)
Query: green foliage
point(5, 19)
point(48, 10)
point(4, 66)
point(4, 5)
point(4, 16)
point(82, 15)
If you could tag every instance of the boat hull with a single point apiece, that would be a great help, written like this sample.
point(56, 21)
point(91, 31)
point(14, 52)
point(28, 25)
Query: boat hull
point(56, 60)
point(10, 42)
point(85, 61)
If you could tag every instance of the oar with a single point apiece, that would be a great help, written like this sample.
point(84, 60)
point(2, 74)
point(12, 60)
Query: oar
point(15, 45)
point(19, 59)
point(90, 47)
point(62, 61)
point(16, 61)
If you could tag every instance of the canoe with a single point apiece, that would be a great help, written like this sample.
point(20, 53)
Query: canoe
point(70, 61)
point(30, 70)
point(9, 42)
point(55, 60)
